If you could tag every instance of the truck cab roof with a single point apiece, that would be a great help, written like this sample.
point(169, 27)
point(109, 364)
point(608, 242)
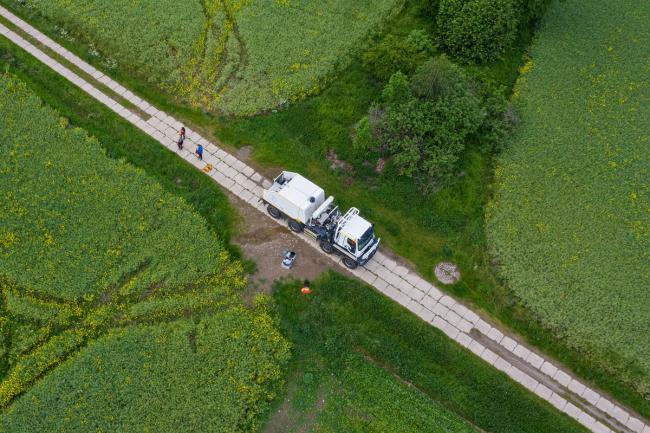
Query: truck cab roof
point(356, 227)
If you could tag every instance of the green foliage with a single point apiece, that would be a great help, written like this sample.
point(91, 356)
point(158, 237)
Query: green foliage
point(424, 124)
point(570, 223)
point(397, 90)
point(385, 359)
point(212, 377)
point(363, 139)
point(500, 118)
point(477, 31)
point(397, 54)
point(226, 56)
point(439, 78)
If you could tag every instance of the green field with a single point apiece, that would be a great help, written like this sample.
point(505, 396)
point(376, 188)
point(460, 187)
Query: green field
point(150, 379)
point(103, 273)
point(570, 223)
point(232, 56)
point(74, 222)
point(364, 364)
point(449, 225)
point(361, 390)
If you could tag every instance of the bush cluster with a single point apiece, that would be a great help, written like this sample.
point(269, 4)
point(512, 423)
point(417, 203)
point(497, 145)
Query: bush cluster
point(425, 122)
point(477, 30)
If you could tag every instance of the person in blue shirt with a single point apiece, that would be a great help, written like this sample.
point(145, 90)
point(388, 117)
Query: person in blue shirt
point(199, 152)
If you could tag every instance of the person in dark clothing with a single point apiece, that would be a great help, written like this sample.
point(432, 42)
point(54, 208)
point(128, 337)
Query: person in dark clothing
point(199, 152)
point(181, 138)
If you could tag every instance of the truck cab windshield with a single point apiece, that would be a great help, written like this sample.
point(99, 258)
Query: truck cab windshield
point(366, 238)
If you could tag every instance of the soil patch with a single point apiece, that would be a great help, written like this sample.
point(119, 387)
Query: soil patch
point(263, 241)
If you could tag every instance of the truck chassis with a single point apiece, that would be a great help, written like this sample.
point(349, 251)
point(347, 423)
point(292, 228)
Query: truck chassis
point(321, 235)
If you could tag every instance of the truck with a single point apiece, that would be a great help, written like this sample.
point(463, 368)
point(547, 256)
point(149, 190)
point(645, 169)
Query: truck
point(303, 203)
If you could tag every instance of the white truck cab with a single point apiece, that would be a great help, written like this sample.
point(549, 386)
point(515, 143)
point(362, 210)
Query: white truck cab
point(303, 203)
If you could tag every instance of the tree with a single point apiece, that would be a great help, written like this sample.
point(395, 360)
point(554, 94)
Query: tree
point(424, 122)
point(427, 137)
point(477, 31)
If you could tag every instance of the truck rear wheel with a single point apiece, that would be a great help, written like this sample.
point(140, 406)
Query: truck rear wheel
point(295, 226)
point(350, 263)
point(326, 247)
point(274, 211)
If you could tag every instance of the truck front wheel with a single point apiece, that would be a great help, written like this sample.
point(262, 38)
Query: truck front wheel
point(350, 263)
point(295, 226)
point(326, 247)
point(274, 211)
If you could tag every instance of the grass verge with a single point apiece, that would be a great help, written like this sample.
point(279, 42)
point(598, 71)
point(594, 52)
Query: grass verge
point(348, 337)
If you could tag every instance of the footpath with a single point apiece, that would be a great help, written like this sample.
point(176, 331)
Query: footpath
point(548, 380)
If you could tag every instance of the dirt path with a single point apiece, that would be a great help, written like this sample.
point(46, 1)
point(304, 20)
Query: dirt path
point(264, 243)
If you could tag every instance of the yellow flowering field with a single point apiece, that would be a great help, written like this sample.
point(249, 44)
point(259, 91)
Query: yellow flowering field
point(570, 223)
point(115, 296)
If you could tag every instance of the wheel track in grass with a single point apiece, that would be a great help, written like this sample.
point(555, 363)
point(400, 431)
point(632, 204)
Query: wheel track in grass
point(98, 317)
point(242, 52)
point(208, 67)
point(540, 375)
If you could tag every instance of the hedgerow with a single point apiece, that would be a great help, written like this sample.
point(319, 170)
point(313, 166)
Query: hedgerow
point(233, 56)
point(90, 247)
point(570, 223)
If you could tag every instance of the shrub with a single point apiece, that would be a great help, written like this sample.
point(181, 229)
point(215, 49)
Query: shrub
point(429, 8)
point(500, 118)
point(427, 138)
point(439, 78)
point(398, 90)
point(531, 11)
point(477, 31)
point(363, 138)
point(424, 123)
point(395, 54)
